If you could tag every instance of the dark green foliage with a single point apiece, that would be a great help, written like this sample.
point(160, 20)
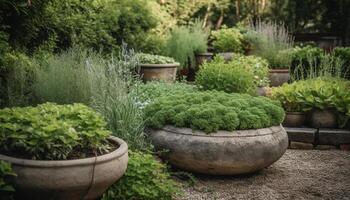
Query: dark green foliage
point(211, 111)
point(228, 77)
point(6, 190)
point(227, 40)
point(145, 58)
point(145, 178)
point(52, 132)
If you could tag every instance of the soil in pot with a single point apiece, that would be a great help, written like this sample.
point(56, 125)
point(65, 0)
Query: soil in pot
point(323, 118)
point(278, 77)
point(294, 119)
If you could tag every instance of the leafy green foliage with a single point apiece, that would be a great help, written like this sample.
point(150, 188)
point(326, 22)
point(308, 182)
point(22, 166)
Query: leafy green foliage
point(52, 132)
point(227, 40)
point(321, 93)
point(145, 58)
point(228, 77)
point(145, 178)
point(344, 54)
point(184, 42)
point(211, 111)
point(5, 172)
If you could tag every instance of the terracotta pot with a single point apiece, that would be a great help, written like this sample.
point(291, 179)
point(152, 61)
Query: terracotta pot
point(294, 119)
point(159, 72)
point(221, 153)
point(323, 118)
point(278, 77)
point(228, 56)
point(202, 57)
point(79, 179)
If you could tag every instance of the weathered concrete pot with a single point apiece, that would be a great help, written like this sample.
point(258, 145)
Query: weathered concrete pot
point(221, 153)
point(203, 57)
point(323, 118)
point(294, 119)
point(79, 179)
point(278, 77)
point(159, 72)
point(228, 56)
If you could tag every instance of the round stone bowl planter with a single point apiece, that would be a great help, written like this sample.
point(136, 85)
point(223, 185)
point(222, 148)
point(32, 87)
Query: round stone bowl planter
point(81, 179)
point(294, 119)
point(221, 153)
point(159, 72)
point(278, 77)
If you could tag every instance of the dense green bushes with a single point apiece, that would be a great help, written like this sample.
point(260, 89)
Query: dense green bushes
point(212, 111)
point(227, 40)
point(240, 75)
point(52, 132)
point(145, 178)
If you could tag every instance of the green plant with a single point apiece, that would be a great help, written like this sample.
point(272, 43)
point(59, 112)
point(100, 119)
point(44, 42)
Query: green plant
point(184, 42)
point(228, 77)
point(344, 54)
point(271, 41)
point(52, 132)
point(212, 110)
point(288, 95)
point(6, 189)
point(145, 58)
point(146, 178)
point(227, 40)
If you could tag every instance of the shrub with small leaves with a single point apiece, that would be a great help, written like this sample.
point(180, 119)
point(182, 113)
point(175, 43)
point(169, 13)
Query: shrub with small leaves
point(145, 58)
point(146, 179)
point(212, 110)
point(52, 132)
point(227, 40)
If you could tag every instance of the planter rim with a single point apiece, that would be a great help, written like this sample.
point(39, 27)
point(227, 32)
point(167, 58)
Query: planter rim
point(279, 70)
point(171, 65)
point(119, 152)
point(204, 54)
point(222, 133)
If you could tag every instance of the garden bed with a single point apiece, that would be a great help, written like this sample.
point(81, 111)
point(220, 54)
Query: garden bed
point(298, 174)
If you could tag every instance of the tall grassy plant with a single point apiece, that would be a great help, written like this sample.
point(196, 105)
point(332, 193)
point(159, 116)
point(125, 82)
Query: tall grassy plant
point(271, 40)
point(185, 42)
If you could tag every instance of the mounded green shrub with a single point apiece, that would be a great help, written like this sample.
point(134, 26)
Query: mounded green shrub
point(212, 110)
point(146, 179)
point(228, 77)
point(227, 40)
point(52, 132)
point(145, 58)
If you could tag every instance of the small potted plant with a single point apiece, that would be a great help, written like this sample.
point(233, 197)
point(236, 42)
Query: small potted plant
point(227, 41)
point(60, 152)
point(156, 67)
point(287, 94)
point(217, 133)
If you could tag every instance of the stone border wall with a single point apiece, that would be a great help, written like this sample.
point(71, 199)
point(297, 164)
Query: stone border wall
point(321, 139)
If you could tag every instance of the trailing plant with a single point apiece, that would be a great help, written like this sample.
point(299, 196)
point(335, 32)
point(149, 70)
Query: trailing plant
point(145, 178)
point(212, 111)
point(6, 189)
point(271, 41)
point(227, 40)
point(145, 58)
point(52, 132)
point(228, 77)
point(184, 42)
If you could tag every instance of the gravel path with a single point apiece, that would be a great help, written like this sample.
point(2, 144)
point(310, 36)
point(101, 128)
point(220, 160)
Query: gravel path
point(299, 174)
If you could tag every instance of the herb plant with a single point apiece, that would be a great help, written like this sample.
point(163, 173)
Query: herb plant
point(227, 40)
point(52, 132)
point(212, 110)
point(145, 58)
point(6, 190)
point(146, 178)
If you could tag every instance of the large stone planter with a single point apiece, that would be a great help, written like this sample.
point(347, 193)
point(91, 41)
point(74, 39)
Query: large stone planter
point(278, 77)
point(221, 153)
point(81, 179)
point(159, 72)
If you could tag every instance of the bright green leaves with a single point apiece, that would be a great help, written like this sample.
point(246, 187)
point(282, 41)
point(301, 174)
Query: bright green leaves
point(212, 111)
point(51, 131)
point(145, 58)
point(228, 40)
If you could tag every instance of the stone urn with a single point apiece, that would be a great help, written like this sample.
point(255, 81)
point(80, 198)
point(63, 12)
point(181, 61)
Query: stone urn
point(294, 119)
point(81, 179)
point(203, 57)
point(223, 152)
point(326, 118)
point(278, 77)
point(159, 72)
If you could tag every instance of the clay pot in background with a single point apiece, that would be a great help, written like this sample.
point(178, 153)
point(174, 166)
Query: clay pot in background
point(278, 77)
point(323, 118)
point(159, 72)
point(294, 119)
